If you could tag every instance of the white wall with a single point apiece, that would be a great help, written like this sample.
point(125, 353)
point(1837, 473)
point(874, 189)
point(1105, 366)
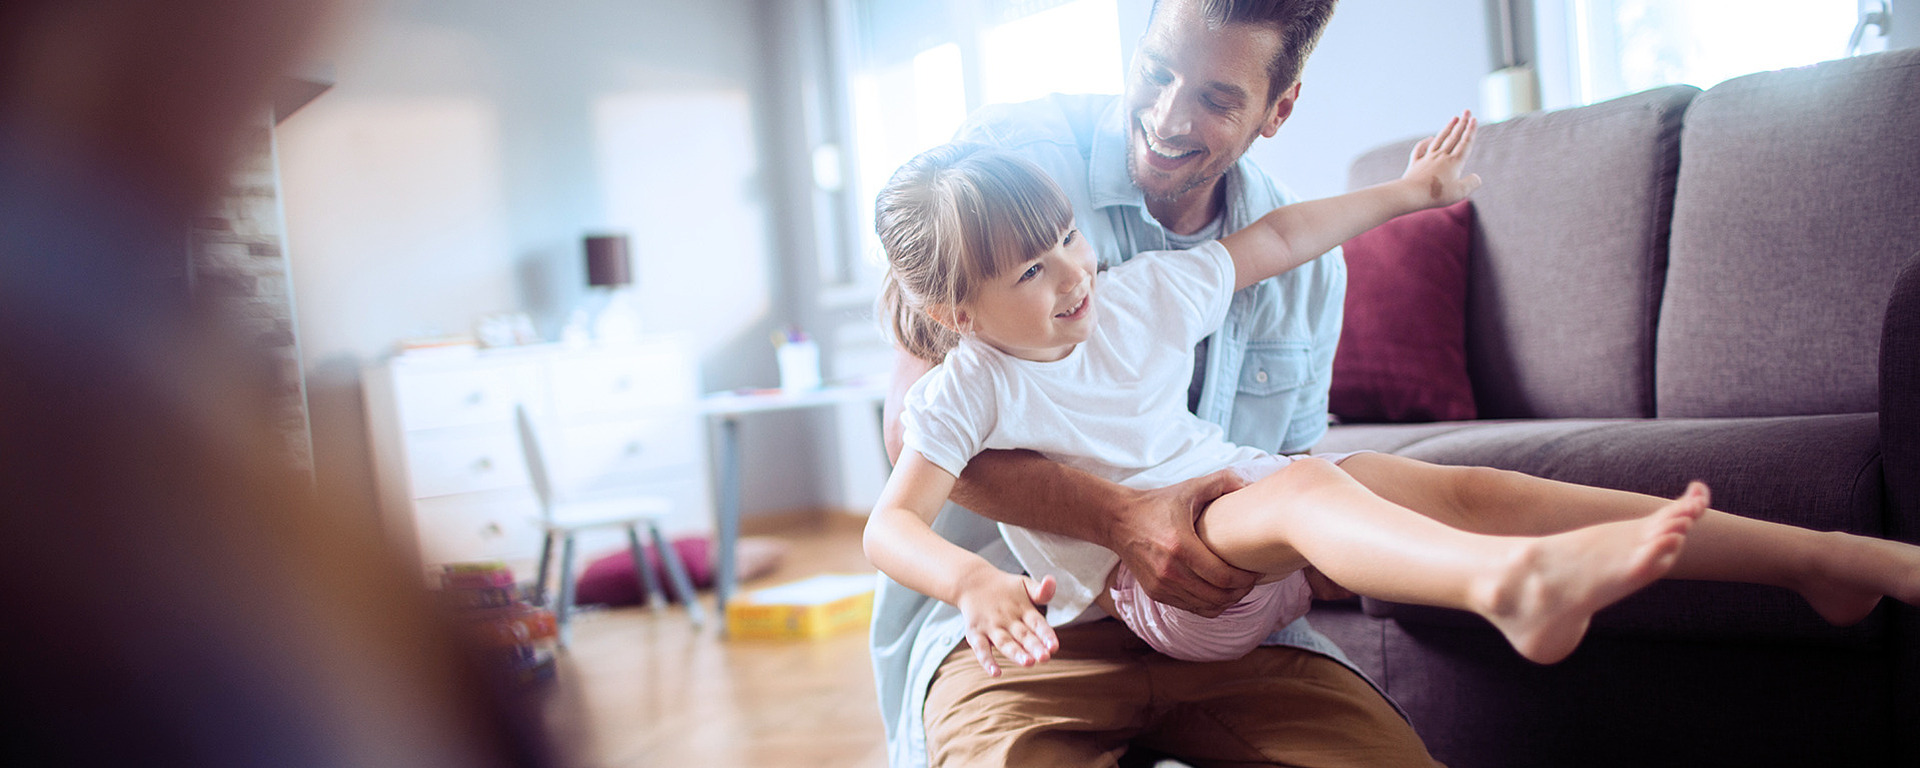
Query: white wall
point(1906, 28)
point(465, 149)
point(1384, 70)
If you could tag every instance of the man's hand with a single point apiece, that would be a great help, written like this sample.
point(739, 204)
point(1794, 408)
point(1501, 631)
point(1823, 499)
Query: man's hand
point(1155, 537)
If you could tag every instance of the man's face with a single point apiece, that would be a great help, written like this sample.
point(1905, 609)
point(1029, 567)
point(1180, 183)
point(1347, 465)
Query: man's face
point(1197, 98)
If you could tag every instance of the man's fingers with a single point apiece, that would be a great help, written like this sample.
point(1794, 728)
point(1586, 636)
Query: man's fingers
point(1192, 593)
point(1215, 486)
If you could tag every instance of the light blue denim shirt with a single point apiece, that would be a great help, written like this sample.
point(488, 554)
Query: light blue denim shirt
point(1265, 383)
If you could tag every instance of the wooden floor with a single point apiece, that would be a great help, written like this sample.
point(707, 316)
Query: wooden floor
point(639, 688)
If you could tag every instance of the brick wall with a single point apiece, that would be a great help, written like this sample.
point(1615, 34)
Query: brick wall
point(239, 262)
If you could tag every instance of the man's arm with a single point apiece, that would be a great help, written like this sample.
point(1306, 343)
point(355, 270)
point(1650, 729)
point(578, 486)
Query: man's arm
point(1152, 531)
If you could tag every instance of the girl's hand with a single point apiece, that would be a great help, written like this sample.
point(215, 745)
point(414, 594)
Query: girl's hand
point(1002, 614)
point(1437, 160)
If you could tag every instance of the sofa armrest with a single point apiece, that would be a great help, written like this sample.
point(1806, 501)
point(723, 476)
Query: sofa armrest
point(1900, 403)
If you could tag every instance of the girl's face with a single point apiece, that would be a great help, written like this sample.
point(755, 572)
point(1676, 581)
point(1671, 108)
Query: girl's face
point(1042, 307)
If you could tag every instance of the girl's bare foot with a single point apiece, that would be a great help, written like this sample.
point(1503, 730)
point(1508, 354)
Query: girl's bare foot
point(1856, 572)
point(1545, 595)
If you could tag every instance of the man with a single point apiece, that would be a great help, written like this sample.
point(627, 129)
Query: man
point(1160, 168)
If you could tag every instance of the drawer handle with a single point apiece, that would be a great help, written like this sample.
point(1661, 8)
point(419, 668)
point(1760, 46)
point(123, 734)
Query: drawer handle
point(492, 531)
point(476, 398)
point(483, 464)
point(622, 384)
point(634, 448)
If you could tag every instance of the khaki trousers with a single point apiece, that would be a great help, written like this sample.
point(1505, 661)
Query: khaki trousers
point(1107, 689)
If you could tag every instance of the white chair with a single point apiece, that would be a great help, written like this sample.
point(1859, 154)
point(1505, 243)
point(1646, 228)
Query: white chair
point(563, 518)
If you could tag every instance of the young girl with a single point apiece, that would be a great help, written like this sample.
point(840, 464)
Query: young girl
point(987, 272)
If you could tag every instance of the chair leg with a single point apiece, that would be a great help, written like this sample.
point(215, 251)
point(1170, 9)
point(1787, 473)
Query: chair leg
point(677, 571)
point(546, 562)
point(564, 610)
point(651, 592)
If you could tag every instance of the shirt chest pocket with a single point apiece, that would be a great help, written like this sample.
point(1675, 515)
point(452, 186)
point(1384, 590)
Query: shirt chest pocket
point(1272, 367)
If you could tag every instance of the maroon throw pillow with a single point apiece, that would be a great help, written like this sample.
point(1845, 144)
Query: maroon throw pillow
point(1403, 347)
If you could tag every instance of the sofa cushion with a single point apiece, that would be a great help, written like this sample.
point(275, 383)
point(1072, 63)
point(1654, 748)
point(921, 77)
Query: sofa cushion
point(1569, 253)
point(1818, 472)
point(1403, 344)
point(1387, 438)
point(1796, 206)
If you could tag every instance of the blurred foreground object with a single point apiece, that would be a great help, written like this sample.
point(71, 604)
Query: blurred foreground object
point(179, 593)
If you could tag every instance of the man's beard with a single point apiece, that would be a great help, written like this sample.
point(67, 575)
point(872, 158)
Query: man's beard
point(1205, 177)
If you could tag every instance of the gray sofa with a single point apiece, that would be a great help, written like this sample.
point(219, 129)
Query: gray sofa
point(1680, 284)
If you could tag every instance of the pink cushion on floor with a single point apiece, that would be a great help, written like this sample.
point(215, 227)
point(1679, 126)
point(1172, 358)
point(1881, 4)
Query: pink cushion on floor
point(611, 580)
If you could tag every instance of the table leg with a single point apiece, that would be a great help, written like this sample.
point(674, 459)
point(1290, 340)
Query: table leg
point(729, 523)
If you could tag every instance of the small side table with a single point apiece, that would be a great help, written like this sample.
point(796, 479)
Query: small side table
point(726, 408)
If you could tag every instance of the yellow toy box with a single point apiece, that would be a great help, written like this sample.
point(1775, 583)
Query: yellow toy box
point(814, 607)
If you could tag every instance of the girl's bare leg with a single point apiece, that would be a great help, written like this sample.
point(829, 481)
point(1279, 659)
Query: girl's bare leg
point(1843, 576)
point(1541, 592)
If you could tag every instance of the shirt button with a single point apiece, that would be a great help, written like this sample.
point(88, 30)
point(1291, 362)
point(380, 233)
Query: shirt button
point(1260, 376)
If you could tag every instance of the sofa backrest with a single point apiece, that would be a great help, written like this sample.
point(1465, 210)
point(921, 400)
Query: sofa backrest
point(1569, 254)
point(1798, 202)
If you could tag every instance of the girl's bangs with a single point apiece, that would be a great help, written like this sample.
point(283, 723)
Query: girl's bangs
point(1024, 212)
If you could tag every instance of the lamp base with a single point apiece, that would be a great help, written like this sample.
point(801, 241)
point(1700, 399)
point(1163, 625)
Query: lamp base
point(618, 320)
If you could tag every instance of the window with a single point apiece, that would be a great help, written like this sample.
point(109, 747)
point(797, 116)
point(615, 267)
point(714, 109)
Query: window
point(1623, 46)
point(921, 66)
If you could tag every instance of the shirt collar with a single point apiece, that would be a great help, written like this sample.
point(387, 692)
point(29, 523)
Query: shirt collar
point(1108, 183)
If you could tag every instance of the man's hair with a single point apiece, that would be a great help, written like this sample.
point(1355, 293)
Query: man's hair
point(1299, 23)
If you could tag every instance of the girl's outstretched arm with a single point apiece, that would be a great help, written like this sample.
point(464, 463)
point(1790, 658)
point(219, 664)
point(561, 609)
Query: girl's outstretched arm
point(1295, 234)
point(1001, 608)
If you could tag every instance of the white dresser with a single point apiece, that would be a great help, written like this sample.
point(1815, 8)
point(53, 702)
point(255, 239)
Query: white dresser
point(453, 479)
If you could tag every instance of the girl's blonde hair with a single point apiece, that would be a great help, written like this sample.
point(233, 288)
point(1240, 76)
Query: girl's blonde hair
point(951, 218)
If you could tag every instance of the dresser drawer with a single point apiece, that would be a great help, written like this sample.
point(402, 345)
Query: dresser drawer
point(430, 398)
point(629, 446)
point(465, 459)
point(597, 384)
point(494, 525)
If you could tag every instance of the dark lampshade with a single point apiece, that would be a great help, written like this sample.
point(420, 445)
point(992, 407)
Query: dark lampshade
point(607, 262)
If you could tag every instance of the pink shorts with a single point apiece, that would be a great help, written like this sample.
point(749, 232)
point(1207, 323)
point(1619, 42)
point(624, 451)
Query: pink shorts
point(1191, 637)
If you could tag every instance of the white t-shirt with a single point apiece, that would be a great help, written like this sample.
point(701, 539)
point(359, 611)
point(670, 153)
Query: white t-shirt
point(1113, 407)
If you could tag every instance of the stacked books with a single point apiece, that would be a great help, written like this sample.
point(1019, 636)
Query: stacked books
point(521, 638)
